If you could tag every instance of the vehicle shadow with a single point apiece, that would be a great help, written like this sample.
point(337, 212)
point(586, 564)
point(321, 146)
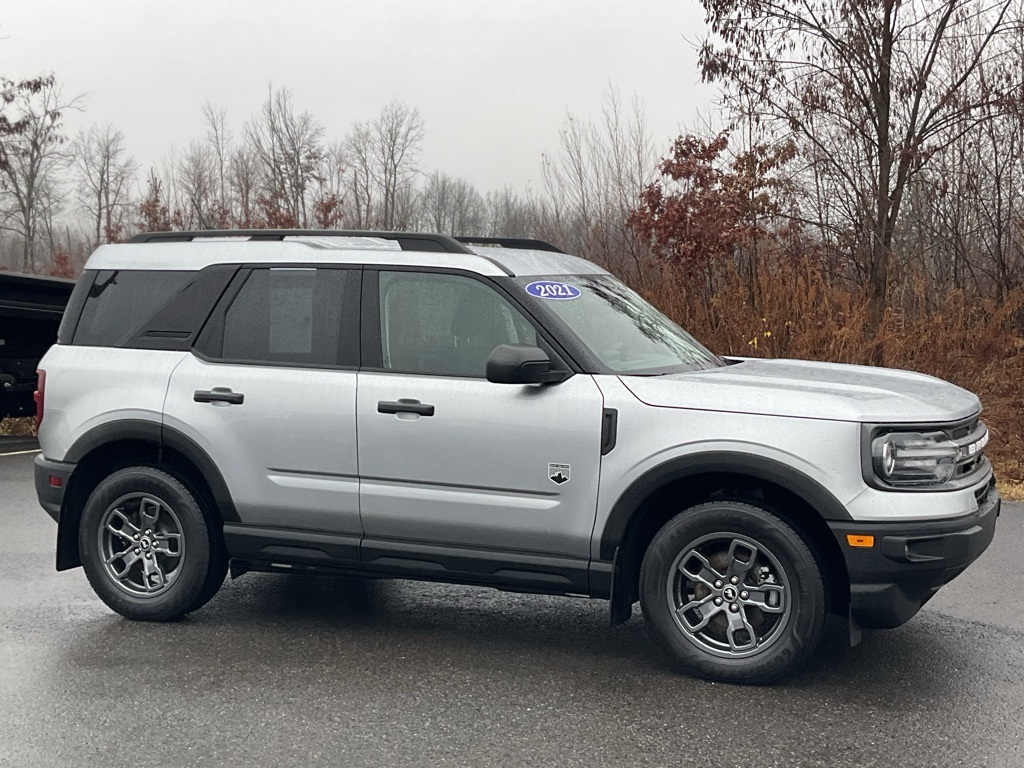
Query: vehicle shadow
point(319, 623)
point(479, 625)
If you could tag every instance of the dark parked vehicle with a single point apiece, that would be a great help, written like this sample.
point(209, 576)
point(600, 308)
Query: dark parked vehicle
point(30, 311)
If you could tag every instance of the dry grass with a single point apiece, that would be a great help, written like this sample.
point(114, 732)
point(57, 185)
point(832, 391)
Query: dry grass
point(797, 313)
point(24, 427)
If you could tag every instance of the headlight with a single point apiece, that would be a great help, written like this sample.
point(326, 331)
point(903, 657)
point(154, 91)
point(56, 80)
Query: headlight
point(914, 458)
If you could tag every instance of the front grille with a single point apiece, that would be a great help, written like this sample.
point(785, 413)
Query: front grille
point(966, 436)
point(962, 431)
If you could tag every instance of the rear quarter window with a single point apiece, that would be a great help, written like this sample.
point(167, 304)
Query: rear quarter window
point(146, 309)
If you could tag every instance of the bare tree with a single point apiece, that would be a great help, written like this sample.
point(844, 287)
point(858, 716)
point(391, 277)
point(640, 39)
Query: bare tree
point(596, 178)
point(105, 177)
point(329, 188)
point(513, 214)
point(451, 206)
point(30, 156)
point(874, 89)
point(359, 149)
point(197, 176)
point(243, 181)
point(288, 149)
point(218, 138)
point(384, 155)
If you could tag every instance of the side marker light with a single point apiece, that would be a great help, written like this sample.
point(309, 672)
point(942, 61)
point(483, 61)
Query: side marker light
point(855, 540)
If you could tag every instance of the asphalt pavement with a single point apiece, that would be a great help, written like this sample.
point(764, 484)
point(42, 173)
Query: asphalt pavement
point(296, 671)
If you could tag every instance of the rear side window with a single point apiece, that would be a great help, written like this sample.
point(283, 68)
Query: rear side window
point(120, 302)
point(289, 316)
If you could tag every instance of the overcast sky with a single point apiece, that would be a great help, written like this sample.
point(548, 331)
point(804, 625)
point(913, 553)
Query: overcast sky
point(493, 80)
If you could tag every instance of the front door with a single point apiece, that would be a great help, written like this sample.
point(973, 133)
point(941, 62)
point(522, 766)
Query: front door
point(453, 468)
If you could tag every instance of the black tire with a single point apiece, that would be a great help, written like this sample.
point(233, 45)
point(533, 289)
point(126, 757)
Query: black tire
point(761, 638)
point(163, 586)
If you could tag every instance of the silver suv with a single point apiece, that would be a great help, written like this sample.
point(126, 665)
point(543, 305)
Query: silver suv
point(490, 412)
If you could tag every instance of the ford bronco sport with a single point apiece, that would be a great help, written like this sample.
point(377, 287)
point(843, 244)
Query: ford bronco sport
point(489, 412)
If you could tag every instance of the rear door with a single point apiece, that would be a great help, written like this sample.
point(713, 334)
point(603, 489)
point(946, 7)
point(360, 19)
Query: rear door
point(269, 393)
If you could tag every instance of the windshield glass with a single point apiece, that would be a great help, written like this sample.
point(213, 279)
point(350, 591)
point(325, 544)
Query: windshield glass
point(623, 331)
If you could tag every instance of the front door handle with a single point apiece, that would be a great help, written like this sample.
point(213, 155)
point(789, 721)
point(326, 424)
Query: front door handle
point(218, 395)
point(405, 405)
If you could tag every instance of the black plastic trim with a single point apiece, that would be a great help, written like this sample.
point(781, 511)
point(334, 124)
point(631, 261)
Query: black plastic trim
point(609, 430)
point(261, 548)
point(177, 324)
point(112, 432)
point(188, 448)
point(717, 462)
point(405, 406)
point(910, 561)
point(409, 241)
point(291, 546)
point(75, 305)
point(218, 396)
point(51, 499)
point(510, 242)
point(161, 435)
point(517, 571)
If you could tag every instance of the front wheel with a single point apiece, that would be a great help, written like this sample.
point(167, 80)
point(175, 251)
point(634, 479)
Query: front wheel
point(733, 593)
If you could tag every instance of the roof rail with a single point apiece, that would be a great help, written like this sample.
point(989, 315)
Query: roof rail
point(409, 241)
point(510, 242)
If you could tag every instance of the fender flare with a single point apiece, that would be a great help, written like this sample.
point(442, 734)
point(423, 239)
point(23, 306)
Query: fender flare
point(164, 437)
point(716, 462)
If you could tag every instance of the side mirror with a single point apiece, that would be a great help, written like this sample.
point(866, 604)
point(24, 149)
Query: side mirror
point(522, 364)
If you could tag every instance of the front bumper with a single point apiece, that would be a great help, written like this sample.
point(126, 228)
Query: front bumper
point(51, 496)
point(892, 580)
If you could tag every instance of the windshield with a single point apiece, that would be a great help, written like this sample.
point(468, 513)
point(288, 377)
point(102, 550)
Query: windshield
point(623, 331)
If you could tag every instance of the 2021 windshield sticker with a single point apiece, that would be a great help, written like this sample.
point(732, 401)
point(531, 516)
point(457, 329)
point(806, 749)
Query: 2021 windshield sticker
point(551, 289)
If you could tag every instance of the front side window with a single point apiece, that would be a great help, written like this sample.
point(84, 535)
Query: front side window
point(445, 324)
point(291, 316)
point(624, 332)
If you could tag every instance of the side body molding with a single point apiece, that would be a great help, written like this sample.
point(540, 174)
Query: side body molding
point(714, 463)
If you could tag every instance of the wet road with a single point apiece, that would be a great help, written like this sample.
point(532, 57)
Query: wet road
point(281, 670)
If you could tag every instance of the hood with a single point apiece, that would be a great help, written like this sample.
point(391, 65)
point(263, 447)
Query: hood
point(805, 389)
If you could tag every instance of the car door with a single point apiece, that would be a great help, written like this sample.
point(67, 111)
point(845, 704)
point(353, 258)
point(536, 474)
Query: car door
point(269, 394)
point(458, 473)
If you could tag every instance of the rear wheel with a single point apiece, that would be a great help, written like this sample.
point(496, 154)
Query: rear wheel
point(147, 547)
point(733, 593)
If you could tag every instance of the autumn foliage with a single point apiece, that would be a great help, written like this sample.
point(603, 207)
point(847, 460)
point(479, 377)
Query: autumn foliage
point(705, 210)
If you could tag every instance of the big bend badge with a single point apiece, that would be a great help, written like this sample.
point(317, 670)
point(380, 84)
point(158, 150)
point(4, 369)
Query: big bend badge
point(559, 473)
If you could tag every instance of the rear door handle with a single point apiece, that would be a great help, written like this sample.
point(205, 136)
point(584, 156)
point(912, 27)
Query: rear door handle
point(218, 395)
point(405, 405)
